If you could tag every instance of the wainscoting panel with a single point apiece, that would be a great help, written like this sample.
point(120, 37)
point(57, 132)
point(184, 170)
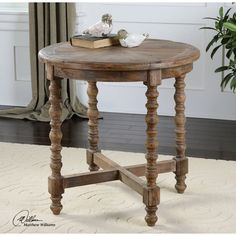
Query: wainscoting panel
point(15, 85)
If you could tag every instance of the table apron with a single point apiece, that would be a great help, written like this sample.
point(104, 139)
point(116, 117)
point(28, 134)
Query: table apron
point(118, 76)
point(105, 76)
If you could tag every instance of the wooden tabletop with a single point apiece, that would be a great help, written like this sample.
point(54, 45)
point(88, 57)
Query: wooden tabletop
point(151, 54)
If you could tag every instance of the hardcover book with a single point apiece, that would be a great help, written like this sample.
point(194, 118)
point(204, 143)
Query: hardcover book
point(94, 42)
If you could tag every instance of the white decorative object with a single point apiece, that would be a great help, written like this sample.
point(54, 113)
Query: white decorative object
point(101, 28)
point(130, 40)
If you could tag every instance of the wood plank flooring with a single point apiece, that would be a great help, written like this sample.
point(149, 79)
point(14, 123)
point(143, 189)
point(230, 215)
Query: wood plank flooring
point(206, 138)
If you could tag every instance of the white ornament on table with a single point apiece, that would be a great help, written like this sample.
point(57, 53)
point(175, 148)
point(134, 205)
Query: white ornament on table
point(102, 28)
point(130, 40)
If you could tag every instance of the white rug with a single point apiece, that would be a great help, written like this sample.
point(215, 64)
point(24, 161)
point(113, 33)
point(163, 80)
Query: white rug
point(208, 205)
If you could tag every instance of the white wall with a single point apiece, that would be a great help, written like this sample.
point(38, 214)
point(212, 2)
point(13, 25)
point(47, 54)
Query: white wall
point(174, 21)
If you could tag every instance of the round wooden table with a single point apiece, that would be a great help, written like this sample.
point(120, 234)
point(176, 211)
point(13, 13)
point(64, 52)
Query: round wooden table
point(149, 63)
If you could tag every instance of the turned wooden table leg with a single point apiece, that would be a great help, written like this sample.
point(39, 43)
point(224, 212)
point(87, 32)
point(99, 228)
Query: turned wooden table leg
point(92, 124)
point(55, 181)
point(154, 79)
point(181, 160)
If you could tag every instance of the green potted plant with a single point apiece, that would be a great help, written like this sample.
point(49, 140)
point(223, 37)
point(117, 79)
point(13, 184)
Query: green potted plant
point(225, 38)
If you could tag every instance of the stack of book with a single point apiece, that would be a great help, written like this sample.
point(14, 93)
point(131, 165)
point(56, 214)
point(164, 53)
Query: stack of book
point(87, 41)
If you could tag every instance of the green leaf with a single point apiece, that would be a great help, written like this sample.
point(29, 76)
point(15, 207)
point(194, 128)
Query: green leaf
point(228, 46)
point(226, 80)
point(215, 38)
point(214, 51)
point(211, 28)
point(230, 26)
point(222, 68)
point(226, 36)
point(221, 12)
point(233, 83)
point(226, 14)
point(232, 63)
point(225, 40)
point(234, 44)
point(229, 53)
point(221, 23)
point(210, 18)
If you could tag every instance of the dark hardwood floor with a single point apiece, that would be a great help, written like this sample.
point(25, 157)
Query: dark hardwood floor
point(206, 138)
